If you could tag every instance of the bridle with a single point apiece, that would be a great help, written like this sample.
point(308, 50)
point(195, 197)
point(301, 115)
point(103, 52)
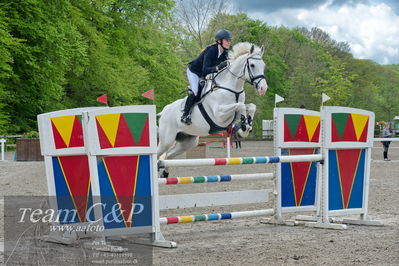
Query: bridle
point(252, 78)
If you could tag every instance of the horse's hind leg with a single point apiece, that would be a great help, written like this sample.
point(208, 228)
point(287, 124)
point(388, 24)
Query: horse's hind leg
point(182, 146)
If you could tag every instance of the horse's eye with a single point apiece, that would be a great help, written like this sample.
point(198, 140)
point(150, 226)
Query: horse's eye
point(252, 65)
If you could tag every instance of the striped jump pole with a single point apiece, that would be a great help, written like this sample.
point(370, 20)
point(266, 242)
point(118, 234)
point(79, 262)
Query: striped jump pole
point(215, 216)
point(213, 178)
point(240, 160)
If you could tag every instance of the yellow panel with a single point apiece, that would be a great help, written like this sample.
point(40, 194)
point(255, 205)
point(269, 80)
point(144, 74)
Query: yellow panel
point(109, 123)
point(64, 125)
point(311, 122)
point(359, 122)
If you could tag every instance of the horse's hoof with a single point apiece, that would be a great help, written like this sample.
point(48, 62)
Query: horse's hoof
point(164, 174)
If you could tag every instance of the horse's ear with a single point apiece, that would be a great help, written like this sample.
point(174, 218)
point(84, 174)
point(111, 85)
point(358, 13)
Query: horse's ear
point(252, 49)
point(262, 50)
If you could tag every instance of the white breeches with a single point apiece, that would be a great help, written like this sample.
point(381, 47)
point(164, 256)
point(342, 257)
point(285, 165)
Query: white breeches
point(194, 81)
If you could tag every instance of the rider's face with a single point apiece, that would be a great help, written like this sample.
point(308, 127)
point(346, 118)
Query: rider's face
point(226, 43)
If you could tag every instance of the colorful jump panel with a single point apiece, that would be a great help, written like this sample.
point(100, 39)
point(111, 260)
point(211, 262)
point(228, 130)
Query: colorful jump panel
point(67, 131)
point(301, 128)
point(125, 191)
point(298, 179)
point(349, 127)
point(346, 178)
point(123, 130)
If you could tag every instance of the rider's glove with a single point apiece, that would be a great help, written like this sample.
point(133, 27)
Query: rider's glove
point(222, 65)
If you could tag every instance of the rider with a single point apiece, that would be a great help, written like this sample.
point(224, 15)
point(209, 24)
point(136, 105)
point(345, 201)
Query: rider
point(211, 60)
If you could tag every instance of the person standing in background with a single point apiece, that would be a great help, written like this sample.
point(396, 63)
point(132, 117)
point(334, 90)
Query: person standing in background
point(386, 133)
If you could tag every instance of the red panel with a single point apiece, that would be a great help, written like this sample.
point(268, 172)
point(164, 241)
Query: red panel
point(301, 133)
point(77, 176)
point(316, 135)
point(145, 135)
point(334, 132)
point(349, 132)
point(77, 134)
point(104, 142)
point(348, 161)
point(124, 137)
point(123, 173)
point(58, 141)
point(363, 137)
point(300, 173)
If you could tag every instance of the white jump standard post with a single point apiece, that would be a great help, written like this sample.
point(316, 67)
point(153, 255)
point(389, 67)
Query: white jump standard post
point(2, 141)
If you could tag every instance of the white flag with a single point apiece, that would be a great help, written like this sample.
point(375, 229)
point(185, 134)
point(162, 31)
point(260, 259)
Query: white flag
point(324, 97)
point(278, 99)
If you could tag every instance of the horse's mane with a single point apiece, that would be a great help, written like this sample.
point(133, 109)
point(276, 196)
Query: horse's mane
point(243, 48)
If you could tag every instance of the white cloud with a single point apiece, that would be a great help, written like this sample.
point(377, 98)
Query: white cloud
point(371, 30)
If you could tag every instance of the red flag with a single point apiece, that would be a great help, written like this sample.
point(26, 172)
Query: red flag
point(102, 99)
point(149, 94)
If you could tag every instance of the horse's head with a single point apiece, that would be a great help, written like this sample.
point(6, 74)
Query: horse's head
point(251, 56)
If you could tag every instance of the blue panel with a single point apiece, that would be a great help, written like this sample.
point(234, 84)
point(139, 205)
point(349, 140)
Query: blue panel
point(142, 199)
point(309, 194)
point(287, 187)
point(356, 199)
point(90, 215)
point(334, 185)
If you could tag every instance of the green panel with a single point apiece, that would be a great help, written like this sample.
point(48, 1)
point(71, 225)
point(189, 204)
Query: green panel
point(340, 120)
point(293, 122)
point(135, 122)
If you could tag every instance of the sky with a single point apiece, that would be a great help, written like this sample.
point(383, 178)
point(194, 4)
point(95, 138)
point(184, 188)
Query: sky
point(371, 27)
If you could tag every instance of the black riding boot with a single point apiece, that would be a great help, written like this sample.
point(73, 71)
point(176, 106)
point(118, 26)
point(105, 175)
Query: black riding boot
point(186, 119)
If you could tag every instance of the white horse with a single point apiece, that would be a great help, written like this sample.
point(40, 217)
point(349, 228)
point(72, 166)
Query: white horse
point(222, 105)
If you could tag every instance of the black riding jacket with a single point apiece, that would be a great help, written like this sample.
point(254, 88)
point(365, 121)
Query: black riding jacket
point(207, 61)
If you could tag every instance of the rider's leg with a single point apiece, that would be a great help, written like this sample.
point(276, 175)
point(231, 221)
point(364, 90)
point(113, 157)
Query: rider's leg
point(194, 80)
point(187, 107)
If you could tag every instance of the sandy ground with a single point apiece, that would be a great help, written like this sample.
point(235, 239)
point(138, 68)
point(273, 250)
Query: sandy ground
point(243, 241)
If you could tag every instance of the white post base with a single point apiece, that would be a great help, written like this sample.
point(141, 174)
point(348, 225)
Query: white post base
point(58, 238)
point(161, 242)
point(362, 222)
point(326, 225)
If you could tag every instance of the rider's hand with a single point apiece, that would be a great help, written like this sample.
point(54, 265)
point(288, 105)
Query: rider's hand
point(222, 65)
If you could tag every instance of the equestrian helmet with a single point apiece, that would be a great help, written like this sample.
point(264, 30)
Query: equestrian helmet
point(223, 34)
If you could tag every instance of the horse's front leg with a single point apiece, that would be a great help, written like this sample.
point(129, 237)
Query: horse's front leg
point(226, 111)
point(247, 120)
point(251, 109)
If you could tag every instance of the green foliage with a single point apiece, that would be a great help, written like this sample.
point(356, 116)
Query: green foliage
point(31, 135)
